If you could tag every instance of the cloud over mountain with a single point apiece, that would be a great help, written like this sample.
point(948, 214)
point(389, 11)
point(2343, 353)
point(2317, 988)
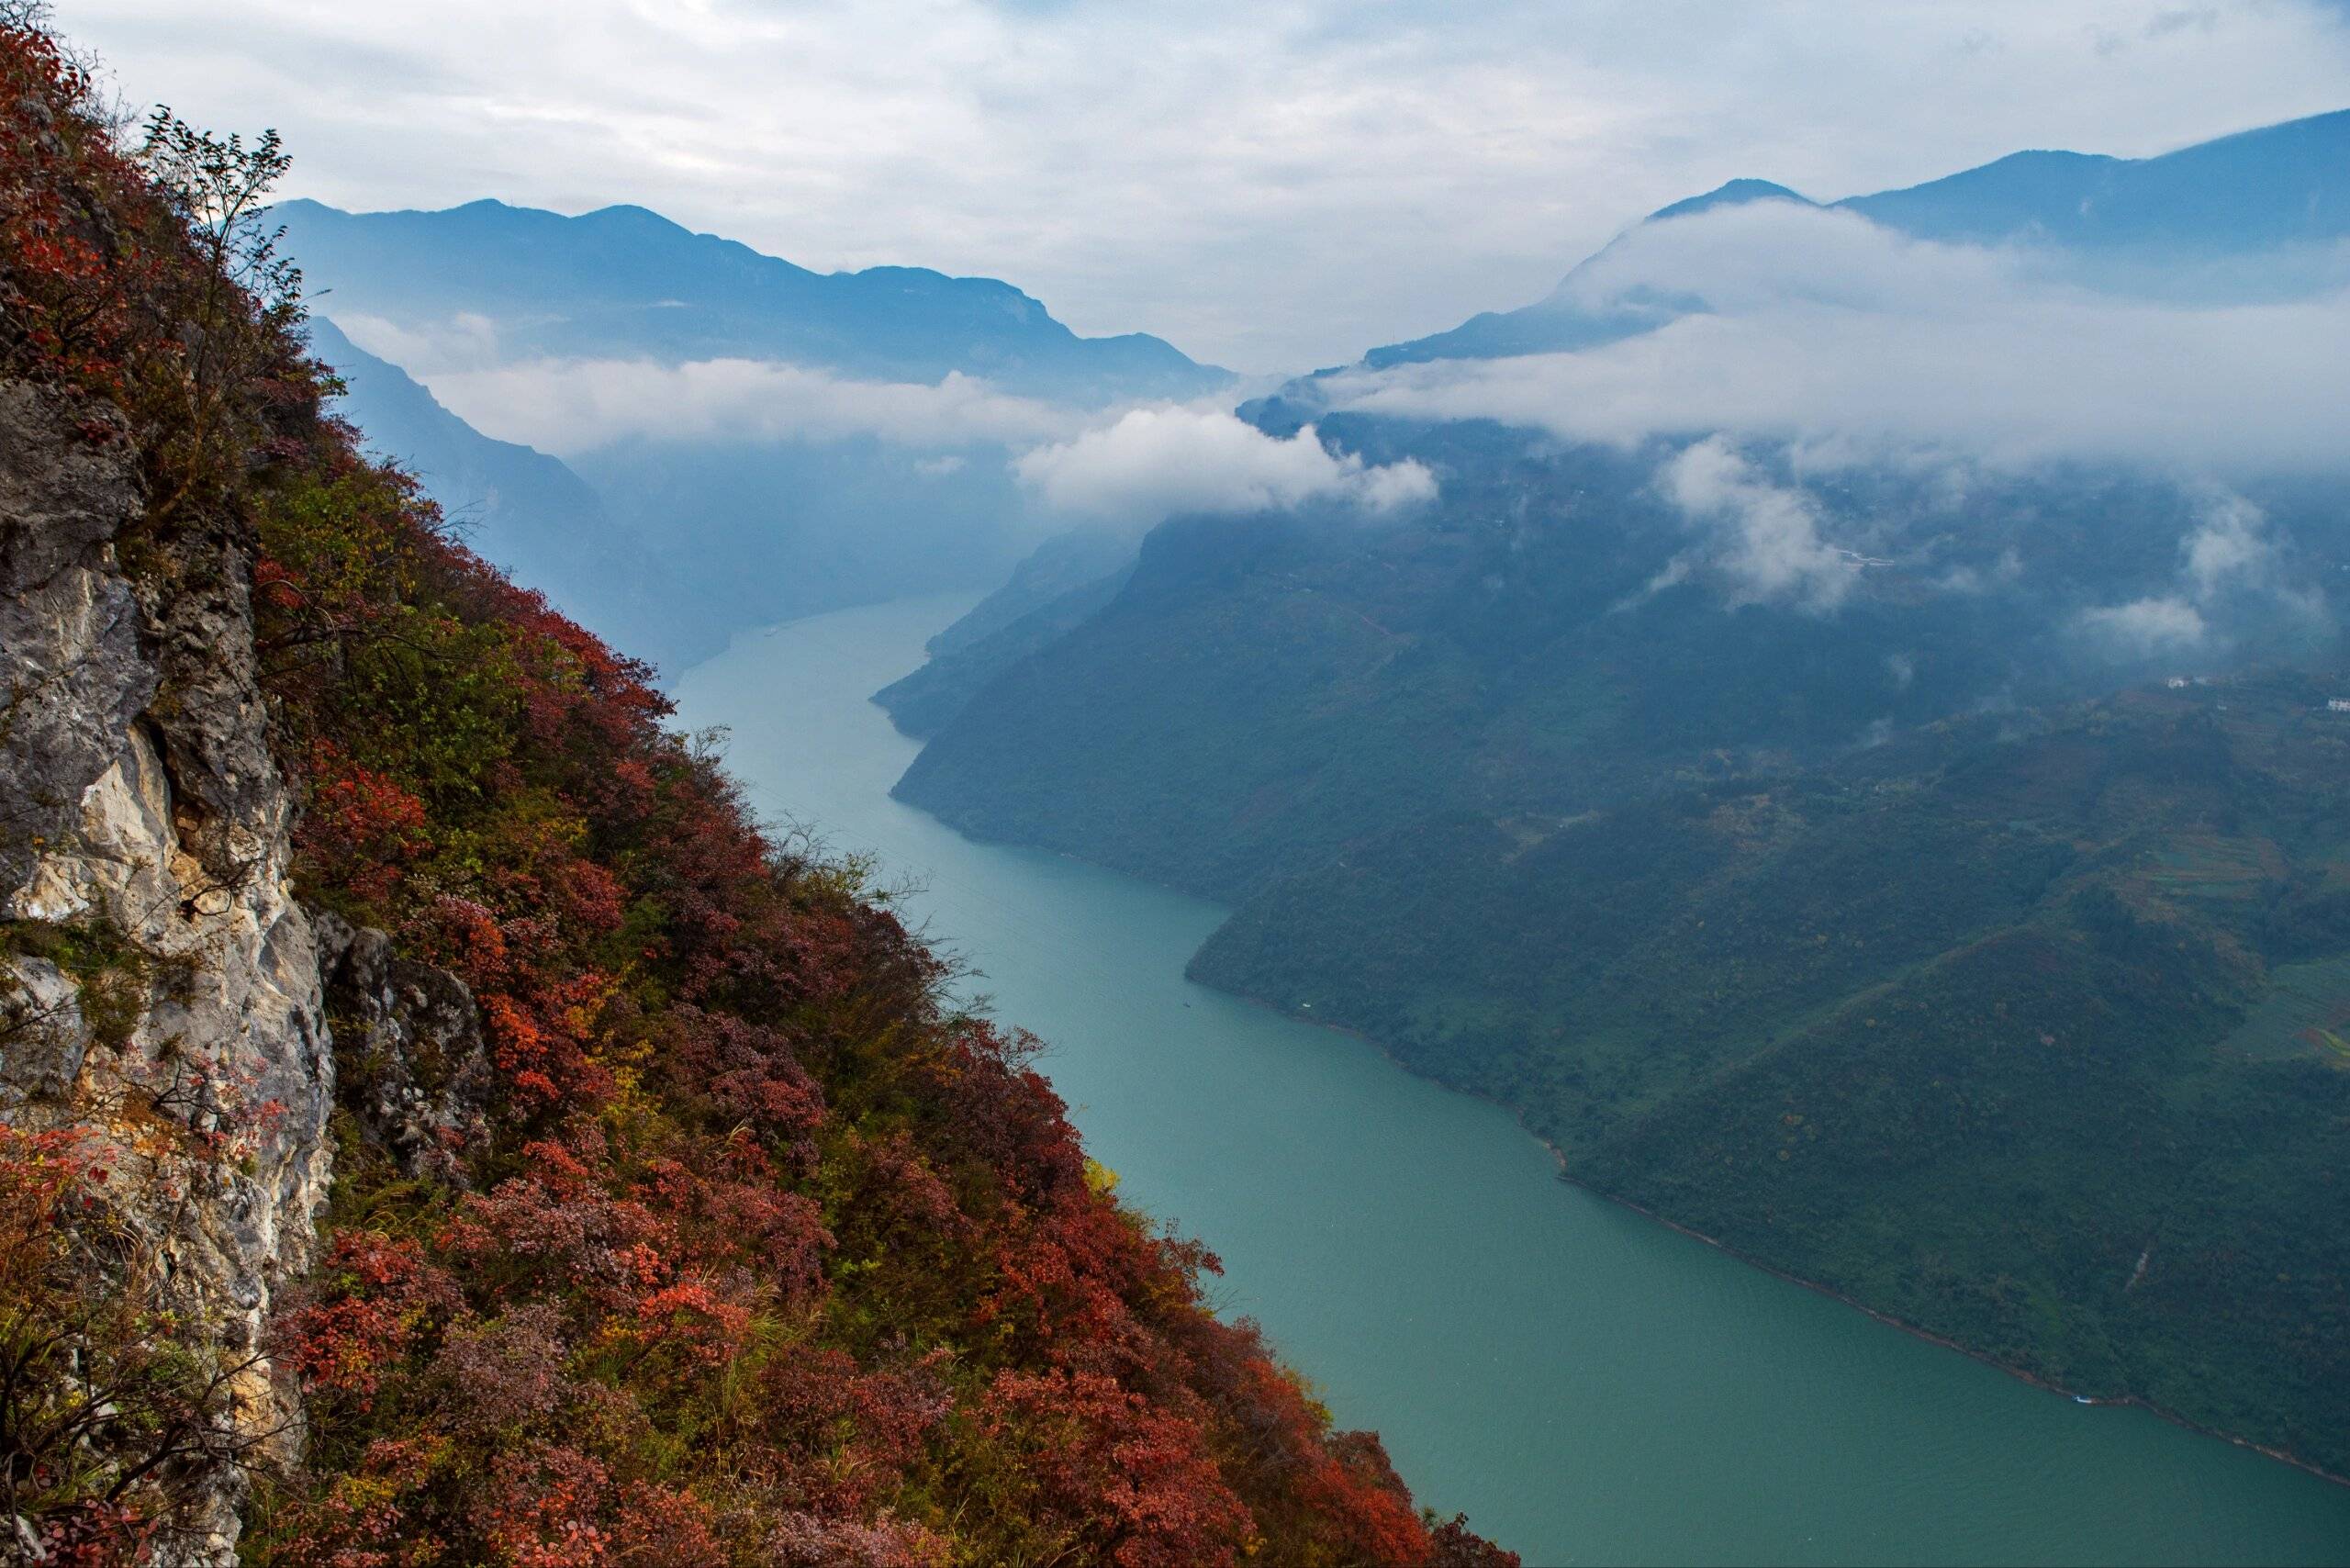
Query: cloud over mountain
point(1154, 462)
point(1767, 539)
point(2232, 560)
point(576, 406)
point(1806, 324)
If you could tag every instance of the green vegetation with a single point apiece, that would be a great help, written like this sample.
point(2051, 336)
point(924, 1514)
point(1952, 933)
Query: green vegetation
point(1965, 1044)
point(1717, 893)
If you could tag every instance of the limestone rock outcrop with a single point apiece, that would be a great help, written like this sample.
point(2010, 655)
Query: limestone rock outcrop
point(159, 985)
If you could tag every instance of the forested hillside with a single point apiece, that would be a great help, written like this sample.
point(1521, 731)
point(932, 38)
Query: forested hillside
point(672, 1214)
point(2036, 1043)
point(1742, 827)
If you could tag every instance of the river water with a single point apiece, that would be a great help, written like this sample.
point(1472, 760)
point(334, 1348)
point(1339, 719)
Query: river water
point(1588, 1386)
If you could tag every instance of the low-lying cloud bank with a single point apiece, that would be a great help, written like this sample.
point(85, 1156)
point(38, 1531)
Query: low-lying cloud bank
point(1156, 463)
point(572, 407)
point(1820, 325)
point(1129, 466)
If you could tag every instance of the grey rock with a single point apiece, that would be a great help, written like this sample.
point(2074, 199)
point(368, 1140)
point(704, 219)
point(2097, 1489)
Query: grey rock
point(138, 798)
point(73, 675)
point(415, 1064)
point(43, 1037)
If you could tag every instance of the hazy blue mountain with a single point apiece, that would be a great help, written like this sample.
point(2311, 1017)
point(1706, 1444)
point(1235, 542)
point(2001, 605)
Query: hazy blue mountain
point(1563, 320)
point(2260, 191)
point(1972, 936)
point(748, 528)
point(626, 282)
point(1731, 194)
point(1077, 559)
point(520, 509)
point(766, 532)
point(2282, 184)
point(1068, 579)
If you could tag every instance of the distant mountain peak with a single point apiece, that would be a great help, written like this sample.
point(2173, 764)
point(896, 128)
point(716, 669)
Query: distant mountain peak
point(624, 281)
point(1735, 192)
point(626, 215)
point(2254, 192)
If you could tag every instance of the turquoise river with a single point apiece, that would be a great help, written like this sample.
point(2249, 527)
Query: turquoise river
point(1587, 1385)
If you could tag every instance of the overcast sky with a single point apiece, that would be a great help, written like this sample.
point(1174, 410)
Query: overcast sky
point(1273, 187)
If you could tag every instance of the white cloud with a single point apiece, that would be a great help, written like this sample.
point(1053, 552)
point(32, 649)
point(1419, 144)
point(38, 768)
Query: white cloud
point(2230, 546)
point(1763, 254)
point(2231, 555)
point(569, 407)
point(2234, 553)
point(1131, 465)
point(1155, 463)
point(1767, 541)
point(1272, 183)
point(464, 341)
point(1963, 579)
point(1828, 331)
point(2146, 627)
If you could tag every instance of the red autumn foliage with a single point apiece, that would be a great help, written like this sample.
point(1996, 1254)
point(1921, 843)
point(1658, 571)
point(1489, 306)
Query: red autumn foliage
point(363, 828)
point(772, 1255)
point(368, 1299)
point(68, 310)
point(1114, 1478)
point(666, 1526)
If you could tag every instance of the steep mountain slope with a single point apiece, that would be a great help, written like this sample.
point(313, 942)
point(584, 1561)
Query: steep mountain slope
point(1724, 805)
point(1687, 884)
point(520, 510)
point(1052, 592)
point(436, 1126)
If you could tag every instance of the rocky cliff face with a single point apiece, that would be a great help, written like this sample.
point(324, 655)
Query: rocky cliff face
point(162, 987)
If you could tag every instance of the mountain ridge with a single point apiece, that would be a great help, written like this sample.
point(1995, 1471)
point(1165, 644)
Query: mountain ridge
point(2092, 202)
point(717, 297)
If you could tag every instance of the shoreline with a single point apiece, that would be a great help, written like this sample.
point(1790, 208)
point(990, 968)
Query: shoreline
point(2127, 1401)
point(1559, 1163)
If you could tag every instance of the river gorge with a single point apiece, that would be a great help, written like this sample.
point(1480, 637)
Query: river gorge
point(1588, 1385)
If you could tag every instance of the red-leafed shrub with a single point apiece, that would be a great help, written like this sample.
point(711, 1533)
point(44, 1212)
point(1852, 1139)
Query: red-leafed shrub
point(1111, 1477)
point(771, 1255)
